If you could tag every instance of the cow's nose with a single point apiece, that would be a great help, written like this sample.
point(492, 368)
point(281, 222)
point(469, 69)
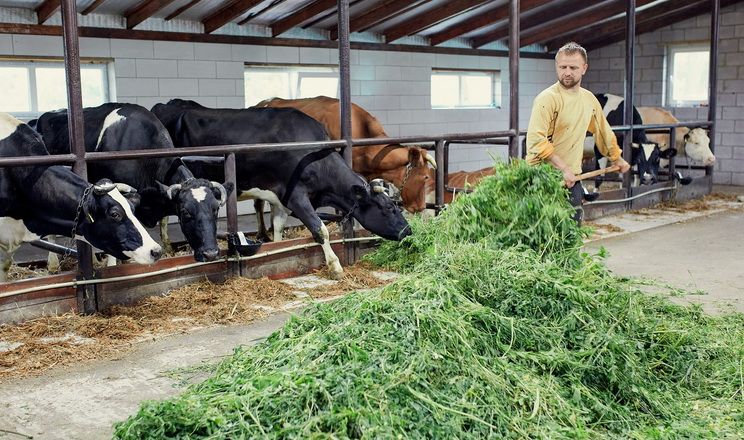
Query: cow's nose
point(156, 253)
point(405, 232)
point(210, 254)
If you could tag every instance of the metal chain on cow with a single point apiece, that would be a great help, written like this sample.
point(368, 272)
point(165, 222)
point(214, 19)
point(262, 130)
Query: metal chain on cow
point(348, 215)
point(409, 167)
point(75, 222)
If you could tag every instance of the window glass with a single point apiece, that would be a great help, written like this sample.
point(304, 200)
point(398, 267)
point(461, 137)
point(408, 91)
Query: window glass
point(465, 89)
point(289, 82)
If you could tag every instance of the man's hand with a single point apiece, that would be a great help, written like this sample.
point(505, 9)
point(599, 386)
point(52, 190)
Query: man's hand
point(569, 178)
point(624, 166)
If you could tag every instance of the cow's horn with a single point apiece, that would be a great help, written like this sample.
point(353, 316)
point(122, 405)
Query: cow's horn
point(431, 160)
point(124, 188)
point(378, 185)
point(104, 186)
point(223, 192)
point(174, 187)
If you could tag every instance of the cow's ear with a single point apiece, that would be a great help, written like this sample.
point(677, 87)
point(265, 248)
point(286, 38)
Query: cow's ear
point(668, 153)
point(133, 198)
point(163, 189)
point(359, 191)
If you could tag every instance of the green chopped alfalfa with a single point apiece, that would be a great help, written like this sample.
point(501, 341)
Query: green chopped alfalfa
point(478, 340)
point(520, 205)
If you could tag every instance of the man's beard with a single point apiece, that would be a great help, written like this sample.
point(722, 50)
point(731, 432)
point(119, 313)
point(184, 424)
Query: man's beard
point(569, 82)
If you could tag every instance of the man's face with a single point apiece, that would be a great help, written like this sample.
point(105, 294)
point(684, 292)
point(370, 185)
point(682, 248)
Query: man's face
point(570, 69)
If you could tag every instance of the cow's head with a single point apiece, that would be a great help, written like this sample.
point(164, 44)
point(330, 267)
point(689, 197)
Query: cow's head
point(415, 177)
point(377, 212)
point(106, 221)
point(646, 157)
point(197, 202)
point(697, 147)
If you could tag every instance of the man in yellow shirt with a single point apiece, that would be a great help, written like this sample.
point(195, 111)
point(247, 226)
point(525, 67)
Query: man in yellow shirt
point(561, 116)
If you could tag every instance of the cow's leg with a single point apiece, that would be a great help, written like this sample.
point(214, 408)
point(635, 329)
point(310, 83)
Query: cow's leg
point(167, 245)
point(278, 220)
point(110, 261)
point(261, 232)
point(52, 258)
point(6, 259)
point(302, 209)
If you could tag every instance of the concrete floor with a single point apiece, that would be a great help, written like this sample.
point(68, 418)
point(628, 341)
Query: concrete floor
point(699, 253)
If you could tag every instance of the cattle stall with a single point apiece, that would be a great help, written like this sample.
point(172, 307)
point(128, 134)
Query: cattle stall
point(96, 289)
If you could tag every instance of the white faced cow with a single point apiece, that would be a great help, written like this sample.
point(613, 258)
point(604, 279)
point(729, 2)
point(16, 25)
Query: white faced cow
point(646, 154)
point(695, 143)
point(40, 200)
point(166, 185)
point(294, 182)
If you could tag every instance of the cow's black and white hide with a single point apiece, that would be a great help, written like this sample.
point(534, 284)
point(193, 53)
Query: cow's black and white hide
point(41, 200)
point(166, 185)
point(295, 182)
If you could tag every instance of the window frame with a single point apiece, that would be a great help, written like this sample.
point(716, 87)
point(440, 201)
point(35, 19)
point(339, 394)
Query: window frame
point(671, 51)
point(313, 71)
point(461, 73)
point(31, 64)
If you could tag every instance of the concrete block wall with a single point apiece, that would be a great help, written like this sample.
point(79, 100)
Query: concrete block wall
point(607, 70)
point(394, 86)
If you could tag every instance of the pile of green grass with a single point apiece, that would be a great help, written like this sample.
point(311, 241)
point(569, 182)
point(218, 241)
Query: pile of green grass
point(489, 334)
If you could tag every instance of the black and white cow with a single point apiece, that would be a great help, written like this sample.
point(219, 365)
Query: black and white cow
point(646, 154)
point(294, 182)
point(166, 185)
point(40, 200)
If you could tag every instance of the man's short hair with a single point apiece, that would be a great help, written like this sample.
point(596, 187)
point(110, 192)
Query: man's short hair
point(572, 48)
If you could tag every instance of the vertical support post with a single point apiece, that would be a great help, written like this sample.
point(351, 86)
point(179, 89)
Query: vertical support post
point(715, 13)
point(672, 162)
point(440, 175)
point(629, 82)
point(86, 295)
point(344, 62)
point(231, 206)
point(514, 45)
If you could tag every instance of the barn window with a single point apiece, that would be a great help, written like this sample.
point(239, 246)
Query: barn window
point(32, 87)
point(289, 82)
point(465, 88)
point(687, 75)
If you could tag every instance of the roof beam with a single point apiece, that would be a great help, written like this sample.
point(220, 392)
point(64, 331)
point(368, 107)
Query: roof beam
point(490, 17)
point(181, 10)
point(227, 13)
point(145, 10)
point(430, 18)
point(552, 25)
point(651, 22)
point(315, 8)
point(47, 9)
point(380, 12)
point(92, 6)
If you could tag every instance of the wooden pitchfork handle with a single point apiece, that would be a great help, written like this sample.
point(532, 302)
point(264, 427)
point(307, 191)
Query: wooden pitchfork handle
point(599, 172)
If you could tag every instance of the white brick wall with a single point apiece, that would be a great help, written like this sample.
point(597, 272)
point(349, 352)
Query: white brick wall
point(394, 86)
point(606, 73)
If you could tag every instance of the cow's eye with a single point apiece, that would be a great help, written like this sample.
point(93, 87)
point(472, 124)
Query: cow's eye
point(116, 214)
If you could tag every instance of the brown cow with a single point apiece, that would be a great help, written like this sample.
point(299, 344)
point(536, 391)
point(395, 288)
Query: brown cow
point(404, 167)
point(459, 180)
point(695, 143)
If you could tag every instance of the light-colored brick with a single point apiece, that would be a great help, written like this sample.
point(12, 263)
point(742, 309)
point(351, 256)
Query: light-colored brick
point(6, 44)
point(230, 102)
point(212, 52)
point(174, 50)
point(315, 55)
point(40, 45)
point(173, 88)
point(217, 87)
point(125, 68)
point(363, 73)
point(248, 53)
point(157, 68)
point(197, 69)
point(132, 49)
point(280, 54)
point(230, 69)
point(371, 58)
point(733, 165)
point(95, 47)
point(133, 87)
point(387, 73)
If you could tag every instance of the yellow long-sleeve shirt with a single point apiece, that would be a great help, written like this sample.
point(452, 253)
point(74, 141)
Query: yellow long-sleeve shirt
point(558, 125)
